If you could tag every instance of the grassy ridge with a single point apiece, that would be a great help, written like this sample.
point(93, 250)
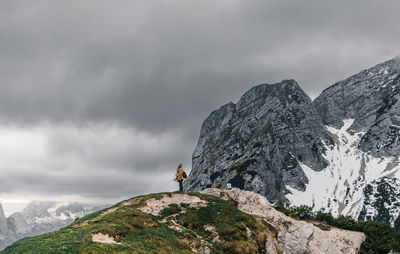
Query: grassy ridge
point(139, 232)
point(181, 228)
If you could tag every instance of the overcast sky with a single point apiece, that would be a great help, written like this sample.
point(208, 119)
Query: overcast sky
point(100, 100)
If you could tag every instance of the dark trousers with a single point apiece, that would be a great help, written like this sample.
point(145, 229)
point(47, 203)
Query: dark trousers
point(180, 185)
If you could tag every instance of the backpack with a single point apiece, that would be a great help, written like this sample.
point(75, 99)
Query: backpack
point(184, 174)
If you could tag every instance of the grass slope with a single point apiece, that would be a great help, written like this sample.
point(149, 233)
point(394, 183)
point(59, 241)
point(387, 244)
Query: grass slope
point(179, 228)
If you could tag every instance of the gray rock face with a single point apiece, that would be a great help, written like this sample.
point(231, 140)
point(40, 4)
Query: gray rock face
point(257, 144)
point(274, 140)
point(372, 98)
point(3, 222)
point(4, 230)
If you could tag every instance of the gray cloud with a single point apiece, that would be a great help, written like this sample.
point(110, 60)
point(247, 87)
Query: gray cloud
point(159, 65)
point(158, 68)
point(95, 161)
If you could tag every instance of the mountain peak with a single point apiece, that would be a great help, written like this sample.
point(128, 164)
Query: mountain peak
point(3, 223)
point(372, 98)
point(285, 91)
point(385, 67)
point(240, 141)
point(278, 143)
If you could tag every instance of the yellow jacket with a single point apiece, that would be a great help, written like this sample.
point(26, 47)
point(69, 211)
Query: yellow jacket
point(179, 174)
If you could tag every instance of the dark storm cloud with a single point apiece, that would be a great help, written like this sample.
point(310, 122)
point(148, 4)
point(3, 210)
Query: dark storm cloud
point(165, 64)
point(156, 69)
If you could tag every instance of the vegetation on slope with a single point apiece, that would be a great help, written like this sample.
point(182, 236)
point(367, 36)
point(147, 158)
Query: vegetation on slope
point(218, 226)
point(380, 238)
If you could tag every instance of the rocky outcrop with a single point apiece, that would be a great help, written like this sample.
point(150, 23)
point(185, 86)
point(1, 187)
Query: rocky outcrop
point(372, 98)
point(293, 236)
point(259, 143)
point(338, 153)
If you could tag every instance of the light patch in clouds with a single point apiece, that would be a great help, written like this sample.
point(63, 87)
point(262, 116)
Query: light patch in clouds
point(21, 145)
point(94, 163)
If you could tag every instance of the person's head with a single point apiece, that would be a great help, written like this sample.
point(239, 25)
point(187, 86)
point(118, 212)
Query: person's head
point(179, 166)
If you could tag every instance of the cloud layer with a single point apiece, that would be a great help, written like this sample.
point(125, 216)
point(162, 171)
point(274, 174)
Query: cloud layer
point(116, 91)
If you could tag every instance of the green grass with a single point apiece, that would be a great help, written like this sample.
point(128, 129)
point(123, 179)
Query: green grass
point(170, 210)
point(139, 232)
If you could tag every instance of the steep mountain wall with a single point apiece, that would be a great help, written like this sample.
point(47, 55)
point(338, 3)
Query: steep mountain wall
point(338, 153)
point(372, 99)
point(259, 142)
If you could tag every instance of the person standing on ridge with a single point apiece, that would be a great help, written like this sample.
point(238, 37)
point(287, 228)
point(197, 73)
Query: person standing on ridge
point(180, 176)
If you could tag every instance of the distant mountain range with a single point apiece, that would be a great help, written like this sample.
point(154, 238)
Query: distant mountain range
point(338, 153)
point(40, 217)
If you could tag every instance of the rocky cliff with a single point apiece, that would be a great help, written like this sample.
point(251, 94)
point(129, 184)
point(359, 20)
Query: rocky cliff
point(259, 142)
point(215, 221)
point(372, 99)
point(338, 153)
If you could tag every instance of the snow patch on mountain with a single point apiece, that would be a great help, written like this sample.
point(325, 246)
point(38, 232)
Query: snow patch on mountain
point(339, 188)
